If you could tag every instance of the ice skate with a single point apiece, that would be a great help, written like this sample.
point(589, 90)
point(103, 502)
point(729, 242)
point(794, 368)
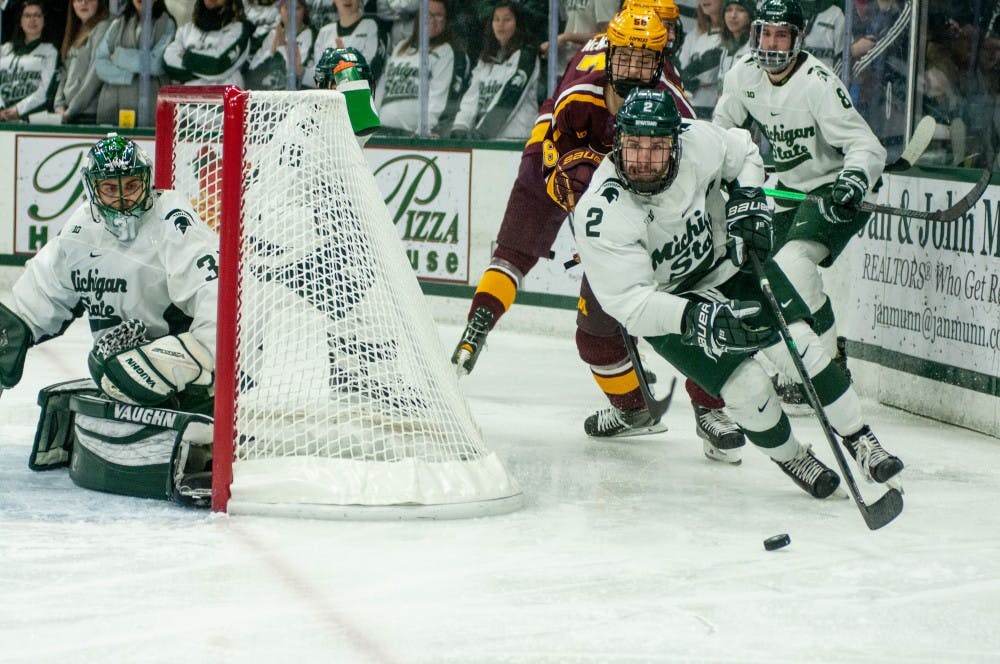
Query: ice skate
point(875, 463)
point(793, 396)
point(810, 474)
point(473, 341)
point(616, 423)
point(721, 437)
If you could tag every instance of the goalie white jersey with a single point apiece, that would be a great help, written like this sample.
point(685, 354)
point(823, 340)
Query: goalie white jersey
point(640, 250)
point(167, 276)
point(812, 126)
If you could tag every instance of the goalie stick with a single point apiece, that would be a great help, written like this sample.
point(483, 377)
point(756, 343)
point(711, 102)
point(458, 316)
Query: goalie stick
point(656, 407)
point(890, 505)
point(945, 215)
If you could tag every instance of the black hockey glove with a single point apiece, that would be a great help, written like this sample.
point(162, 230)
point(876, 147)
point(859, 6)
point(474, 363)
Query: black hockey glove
point(15, 339)
point(718, 327)
point(748, 223)
point(849, 189)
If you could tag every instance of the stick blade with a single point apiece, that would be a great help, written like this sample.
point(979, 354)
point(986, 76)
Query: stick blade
point(923, 133)
point(883, 510)
point(966, 202)
point(657, 407)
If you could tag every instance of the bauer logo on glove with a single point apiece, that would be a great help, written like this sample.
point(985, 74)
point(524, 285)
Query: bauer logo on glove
point(571, 176)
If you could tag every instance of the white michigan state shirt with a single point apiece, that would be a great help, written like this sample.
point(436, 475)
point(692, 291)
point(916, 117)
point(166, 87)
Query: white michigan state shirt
point(167, 276)
point(641, 252)
point(813, 128)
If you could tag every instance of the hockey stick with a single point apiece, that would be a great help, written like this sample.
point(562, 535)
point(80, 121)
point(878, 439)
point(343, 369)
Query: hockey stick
point(656, 407)
point(889, 506)
point(922, 136)
point(946, 215)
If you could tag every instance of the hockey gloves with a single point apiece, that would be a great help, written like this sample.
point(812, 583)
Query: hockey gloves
point(129, 368)
point(15, 339)
point(849, 189)
point(718, 327)
point(571, 176)
point(748, 223)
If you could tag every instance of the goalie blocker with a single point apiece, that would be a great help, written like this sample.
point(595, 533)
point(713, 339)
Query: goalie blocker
point(123, 448)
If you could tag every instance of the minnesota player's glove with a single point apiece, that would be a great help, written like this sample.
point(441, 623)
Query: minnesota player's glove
point(849, 189)
point(748, 223)
point(571, 176)
point(718, 327)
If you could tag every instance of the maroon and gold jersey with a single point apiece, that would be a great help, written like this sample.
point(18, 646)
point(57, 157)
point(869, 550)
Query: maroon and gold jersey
point(580, 117)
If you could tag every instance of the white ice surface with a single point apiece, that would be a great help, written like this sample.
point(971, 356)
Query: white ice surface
point(626, 551)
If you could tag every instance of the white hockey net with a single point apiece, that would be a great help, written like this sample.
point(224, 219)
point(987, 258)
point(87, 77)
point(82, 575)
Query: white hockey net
point(344, 402)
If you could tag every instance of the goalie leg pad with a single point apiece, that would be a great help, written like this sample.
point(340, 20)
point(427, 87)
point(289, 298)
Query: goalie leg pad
point(54, 434)
point(140, 451)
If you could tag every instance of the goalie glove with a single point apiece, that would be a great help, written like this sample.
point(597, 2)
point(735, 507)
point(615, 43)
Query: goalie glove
point(849, 189)
point(148, 373)
point(748, 224)
point(571, 176)
point(719, 327)
point(15, 339)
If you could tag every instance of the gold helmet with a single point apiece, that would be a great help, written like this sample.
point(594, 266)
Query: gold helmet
point(637, 28)
point(637, 40)
point(666, 10)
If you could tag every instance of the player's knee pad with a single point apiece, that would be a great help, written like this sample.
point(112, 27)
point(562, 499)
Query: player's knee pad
point(53, 443)
point(141, 451)
point(601, 351)
point(810, 349)
point(750, 397)
point(799, 260)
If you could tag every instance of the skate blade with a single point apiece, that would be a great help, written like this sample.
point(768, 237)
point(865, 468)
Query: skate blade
point(459, 360)
point(638, 431)
point(733, 457)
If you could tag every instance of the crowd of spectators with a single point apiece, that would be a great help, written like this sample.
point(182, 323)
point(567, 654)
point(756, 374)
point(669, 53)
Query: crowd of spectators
point(82, 59)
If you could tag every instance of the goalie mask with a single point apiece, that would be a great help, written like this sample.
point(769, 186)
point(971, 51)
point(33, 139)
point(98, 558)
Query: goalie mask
point(636, 41)
point(669, 15)
point(647, 147)
point(777, 14)
point(117, 176)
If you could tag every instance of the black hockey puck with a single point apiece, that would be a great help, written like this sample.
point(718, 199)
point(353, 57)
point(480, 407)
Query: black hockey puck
point(777, 542)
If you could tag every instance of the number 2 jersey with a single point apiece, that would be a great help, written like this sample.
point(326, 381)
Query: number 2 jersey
point(813, 128)
point(167, 276)
point(642, 252)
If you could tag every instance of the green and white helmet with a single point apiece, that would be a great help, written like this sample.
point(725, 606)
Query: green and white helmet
point(781, 13)
point(109, 163)
point(647, 113)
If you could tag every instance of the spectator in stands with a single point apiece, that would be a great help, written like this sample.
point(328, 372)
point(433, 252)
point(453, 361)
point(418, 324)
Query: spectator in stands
point(27, 67)
point(263, 16)
point(735, 35)
point(367, 33)
point(501, 101)
point(700, 56)
point(879, 57)
point(824, 36)
point(982, 99)
point(583, 19)
point(947, 58)
point(118, 60)
point(76, 98)
point(269, 65)
point(397, 94)
point(212, 48)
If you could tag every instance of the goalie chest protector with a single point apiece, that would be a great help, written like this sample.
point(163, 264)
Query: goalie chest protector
point(140, 451)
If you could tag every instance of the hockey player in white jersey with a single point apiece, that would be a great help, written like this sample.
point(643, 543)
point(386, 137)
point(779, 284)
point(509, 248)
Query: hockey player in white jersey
point(821, 145)
point(143, 268)
point(666, 251)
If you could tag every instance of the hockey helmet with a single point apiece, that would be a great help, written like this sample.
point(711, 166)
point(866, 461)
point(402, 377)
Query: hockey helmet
point(647, 167)
point(118, 203)
point(636, 42)
point(778, 13)
point(667, 12)
point(336, 59)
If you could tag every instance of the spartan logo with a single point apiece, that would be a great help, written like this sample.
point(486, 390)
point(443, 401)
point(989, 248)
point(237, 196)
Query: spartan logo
point(611, 190)
point(182, 220)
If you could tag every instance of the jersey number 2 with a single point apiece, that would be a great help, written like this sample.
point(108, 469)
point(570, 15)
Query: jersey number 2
point(594, 216)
